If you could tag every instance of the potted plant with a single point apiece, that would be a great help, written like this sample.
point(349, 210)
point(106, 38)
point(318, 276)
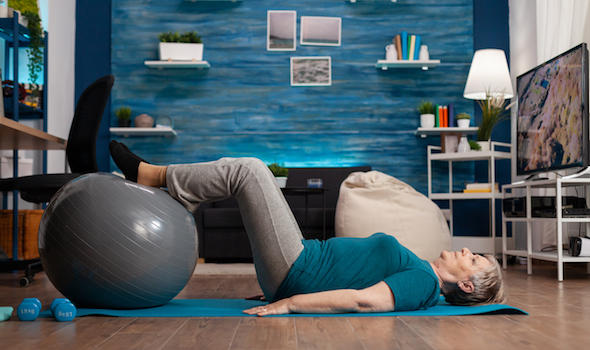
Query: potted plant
point(181, 47)
point(463, 120)
point(280, 174)
point(492, 112)
point(123, 116)
point(474, 145)
point(426, 110)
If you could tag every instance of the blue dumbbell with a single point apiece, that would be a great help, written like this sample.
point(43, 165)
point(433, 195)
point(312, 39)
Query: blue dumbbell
point(29, 309)
point(63, 310)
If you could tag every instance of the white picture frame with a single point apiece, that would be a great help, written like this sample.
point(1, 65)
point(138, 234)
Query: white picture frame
point(281, 30)
point(311, 71)
point(321, 31)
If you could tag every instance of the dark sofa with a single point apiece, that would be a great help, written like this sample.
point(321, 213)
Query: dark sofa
point(222, 237)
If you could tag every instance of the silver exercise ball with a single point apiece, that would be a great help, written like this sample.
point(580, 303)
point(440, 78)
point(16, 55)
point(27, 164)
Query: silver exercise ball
point(106, 242)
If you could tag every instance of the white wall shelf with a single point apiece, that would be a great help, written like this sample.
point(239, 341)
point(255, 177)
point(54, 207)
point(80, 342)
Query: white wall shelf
point(132, 131)
point(423, 132)
point(559, 256)
point(178, 64)
point(434, 153)
point(424, 64)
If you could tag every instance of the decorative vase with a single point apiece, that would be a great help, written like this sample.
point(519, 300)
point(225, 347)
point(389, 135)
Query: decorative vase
point(281, 181)
point(463, 145)
point(485, 145)
point(427, 120)
point(463, 123)
point(423, 55)
point(144, 121)
point(181, 52)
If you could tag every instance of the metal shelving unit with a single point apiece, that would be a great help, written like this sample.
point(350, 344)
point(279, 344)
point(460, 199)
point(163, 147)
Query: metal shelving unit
point(477, 244)
point(560, 257)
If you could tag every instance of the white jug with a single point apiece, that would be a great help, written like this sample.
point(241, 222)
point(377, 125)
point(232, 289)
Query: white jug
point(390, 53)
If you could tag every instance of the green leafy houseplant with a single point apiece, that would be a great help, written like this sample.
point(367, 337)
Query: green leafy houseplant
point(462, 116)
point(123, 115)
point(474, 145)
point(187, 37)
point(30, 10)
point(492, 112)
point(426, 107)
point(278, 171)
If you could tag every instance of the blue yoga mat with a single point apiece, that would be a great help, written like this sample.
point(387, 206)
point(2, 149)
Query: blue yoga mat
point(234, 307)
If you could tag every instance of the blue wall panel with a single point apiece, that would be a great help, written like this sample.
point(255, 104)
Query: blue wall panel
point(244, 106)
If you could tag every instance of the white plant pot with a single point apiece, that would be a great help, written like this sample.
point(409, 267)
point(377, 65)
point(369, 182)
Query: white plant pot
point(181, 52)
point(3, 12)
point(281, 181)
point(427, 120)
point(485, 145)
point(463, 123)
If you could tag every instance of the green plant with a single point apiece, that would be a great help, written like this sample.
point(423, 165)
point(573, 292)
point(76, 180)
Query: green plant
point(186, 37)
point(277, 170)
point(492, 112)
point(474, 145)
point(30, 10)
point(426, 107)
point(462, 116)
point(123, 113)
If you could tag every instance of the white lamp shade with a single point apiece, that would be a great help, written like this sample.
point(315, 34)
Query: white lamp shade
point(488, 76)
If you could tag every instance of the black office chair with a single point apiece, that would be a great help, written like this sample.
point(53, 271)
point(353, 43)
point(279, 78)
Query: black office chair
point(80, 150)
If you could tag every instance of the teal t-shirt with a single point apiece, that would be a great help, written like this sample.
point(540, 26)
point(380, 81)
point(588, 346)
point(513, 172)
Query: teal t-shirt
point(357, 263)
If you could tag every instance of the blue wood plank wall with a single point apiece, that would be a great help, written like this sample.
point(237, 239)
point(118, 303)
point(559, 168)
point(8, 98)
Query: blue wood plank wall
point(244, 104)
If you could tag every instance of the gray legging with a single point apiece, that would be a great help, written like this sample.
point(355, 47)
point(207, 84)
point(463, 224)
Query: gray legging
point(274, 235)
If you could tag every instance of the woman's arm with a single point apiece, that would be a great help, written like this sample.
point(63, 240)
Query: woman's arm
point(372, 299)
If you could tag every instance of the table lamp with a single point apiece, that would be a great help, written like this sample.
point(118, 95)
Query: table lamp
point(488, 76)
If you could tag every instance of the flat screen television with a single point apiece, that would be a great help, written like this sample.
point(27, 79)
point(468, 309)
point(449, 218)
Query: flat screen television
point(552, 122)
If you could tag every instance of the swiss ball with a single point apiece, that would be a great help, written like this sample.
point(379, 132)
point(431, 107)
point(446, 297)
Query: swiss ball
point(106, 242)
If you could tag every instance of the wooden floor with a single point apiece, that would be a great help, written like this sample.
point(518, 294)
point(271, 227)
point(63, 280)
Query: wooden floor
point(559, 319)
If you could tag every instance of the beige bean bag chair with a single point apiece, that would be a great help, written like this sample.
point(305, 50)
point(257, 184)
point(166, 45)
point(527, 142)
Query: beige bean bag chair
point(376, 202)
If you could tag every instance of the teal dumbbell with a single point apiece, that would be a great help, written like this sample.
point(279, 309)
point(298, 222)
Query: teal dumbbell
point(29, 309)
point(63, 310)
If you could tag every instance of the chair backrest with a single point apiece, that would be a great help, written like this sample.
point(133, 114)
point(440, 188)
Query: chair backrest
point(81, 147)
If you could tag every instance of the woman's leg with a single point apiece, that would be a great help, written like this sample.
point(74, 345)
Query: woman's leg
point(273, 233)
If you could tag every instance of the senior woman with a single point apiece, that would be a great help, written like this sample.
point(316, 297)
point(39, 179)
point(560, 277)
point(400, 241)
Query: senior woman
point(372, 274)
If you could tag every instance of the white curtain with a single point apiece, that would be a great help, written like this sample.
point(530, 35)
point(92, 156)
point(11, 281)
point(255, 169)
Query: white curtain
point(561, 25)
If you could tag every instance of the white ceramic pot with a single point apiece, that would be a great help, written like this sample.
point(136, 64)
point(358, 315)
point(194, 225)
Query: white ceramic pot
point(181, 52)
point(485, 145)
point(281, 181)
point(463, 123)
point(427, 120)
point(3, 11)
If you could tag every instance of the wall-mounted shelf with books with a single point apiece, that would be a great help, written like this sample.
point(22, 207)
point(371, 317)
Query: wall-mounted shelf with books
point(423, 132)
point(178, 64)
point(132, 131)
point(424, 64)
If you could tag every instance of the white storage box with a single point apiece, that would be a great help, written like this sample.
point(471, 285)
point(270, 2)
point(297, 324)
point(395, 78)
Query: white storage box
point(25, 167)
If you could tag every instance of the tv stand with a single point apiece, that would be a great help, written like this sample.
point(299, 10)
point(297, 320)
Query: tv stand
point(579, 179)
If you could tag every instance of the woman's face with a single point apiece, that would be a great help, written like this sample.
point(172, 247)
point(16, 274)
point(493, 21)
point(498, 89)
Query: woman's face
point(459, 266)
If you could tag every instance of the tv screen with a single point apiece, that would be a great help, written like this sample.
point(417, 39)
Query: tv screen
point(552, 122)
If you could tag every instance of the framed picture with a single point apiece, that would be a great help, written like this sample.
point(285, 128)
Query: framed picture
point(281, 30)
point(311, 71)
point(325, 31)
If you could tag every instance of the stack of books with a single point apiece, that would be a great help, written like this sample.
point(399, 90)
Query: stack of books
point(444, 116)
point(407, 46)
point(480, 188)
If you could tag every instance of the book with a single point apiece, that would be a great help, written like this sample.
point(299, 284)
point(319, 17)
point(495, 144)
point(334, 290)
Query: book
point(436, 125)
point(412, 47)
point(398, 46)
point(446, 115)
point(417, 48)
point(483, 190)
point(440, 116)
point(481, 186)
point(404, 36)
point(451, 115)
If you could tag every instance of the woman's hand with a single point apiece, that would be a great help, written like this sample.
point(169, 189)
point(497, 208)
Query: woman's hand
point(276, 308)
